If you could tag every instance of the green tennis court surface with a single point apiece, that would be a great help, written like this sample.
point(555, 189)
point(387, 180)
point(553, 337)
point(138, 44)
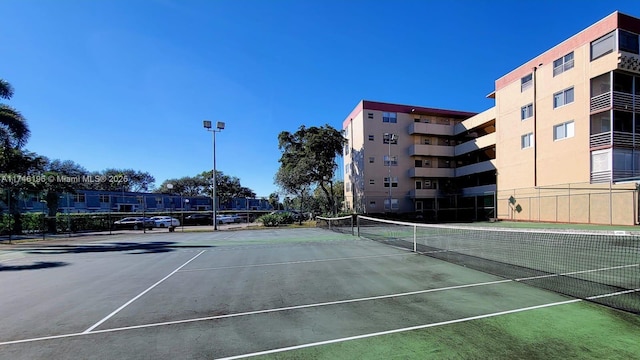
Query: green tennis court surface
point(298, 293)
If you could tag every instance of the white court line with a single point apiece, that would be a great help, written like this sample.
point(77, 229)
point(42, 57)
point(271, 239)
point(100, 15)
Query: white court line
point(296, 307)
point(291, 262)
point(578, 272)
point(139, 295)
point(134, 327)
point(394, 331)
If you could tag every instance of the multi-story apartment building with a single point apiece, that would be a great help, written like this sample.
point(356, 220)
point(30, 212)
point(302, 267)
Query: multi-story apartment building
point(561, 144)
point(568, 139)
point(406, 159)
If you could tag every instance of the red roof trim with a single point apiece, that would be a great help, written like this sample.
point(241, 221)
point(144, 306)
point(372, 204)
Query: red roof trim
point(407, 109)
point(600, 28)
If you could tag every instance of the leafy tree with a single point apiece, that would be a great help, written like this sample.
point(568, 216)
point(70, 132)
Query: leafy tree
point(187, 186)
point(16, 166)
point(14, 131)
point(309, 158)
point(228, 187)
point(293, 180)
point(322, 204)
point(123, 180)
point(274, 201)
point(58, 174)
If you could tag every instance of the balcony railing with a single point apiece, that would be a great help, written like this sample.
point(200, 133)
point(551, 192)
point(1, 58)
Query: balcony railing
point(423, 193)
point(621, 101)
point(620, 139)
point(432, 172)
point(600, 177)
point(431, 150)
point(430, 129)
point(616, 175)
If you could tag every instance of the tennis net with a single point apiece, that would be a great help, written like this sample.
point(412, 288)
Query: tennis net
point(343, 224)
point(597, 266)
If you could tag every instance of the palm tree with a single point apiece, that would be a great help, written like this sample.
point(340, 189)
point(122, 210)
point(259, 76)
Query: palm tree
point(14, 131)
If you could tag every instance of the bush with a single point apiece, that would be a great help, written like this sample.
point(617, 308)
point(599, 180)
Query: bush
point(272, 220)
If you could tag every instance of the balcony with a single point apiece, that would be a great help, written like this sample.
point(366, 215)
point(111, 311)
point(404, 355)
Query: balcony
point(476, 168)
point(621, 101)
point(476, 144)
point(618, 175)
point(431, 172)
point(431, 150)
point(430, 129)
point(620, 139)
point(423, 193)
point(479, 190)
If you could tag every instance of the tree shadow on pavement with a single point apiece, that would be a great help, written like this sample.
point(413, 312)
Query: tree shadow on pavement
point(127, 247)
point(35, 266)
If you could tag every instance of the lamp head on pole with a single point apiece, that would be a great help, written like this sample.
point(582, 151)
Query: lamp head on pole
point(206, 124)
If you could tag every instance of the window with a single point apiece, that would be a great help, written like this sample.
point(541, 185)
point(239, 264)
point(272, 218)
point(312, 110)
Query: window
point(394, 204)
point(526, 82)
point(346, 131)
point(394, 182)
point(625, 161)
point(372, 182)
point(346, 149)
point(601, 160)
point(426, 141)
point(600, 123)
point(394, 138)
point(370, 115)
point(628, 41)
point(427, 163)
point(562, 98)
point(427, 184)
point(104, 198)
point(418, 185)
point(371, 137)
point(416, 120)
point(389, 117)
point(347, 169)
point(372, 204)
point(393, 161)
point(603, 46)
point(372, 160)
point(563, 64)
point(526, 112)
point(79, 198)
point(563, 131)
point(526, 141)
point(418, 163)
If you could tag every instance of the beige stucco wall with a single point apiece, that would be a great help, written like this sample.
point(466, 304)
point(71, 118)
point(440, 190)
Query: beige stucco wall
point(584, 203)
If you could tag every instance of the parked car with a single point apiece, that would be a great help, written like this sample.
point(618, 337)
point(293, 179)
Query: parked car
point(228, 219)
point(165, 221)
point(198, 219)
point(135, 223)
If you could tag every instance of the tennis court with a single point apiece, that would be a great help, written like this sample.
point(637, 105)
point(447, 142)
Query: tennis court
point(283, 293)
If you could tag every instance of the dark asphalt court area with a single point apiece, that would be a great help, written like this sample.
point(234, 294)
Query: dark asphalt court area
point(229, 294)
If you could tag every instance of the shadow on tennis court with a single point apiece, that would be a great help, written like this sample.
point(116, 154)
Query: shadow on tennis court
point(126, 247)
point(35, 266)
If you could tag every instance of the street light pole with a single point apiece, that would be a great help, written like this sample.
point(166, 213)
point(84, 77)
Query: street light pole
point(186, 202)
point(219, 128)
point(390, 138)
point(44, 216)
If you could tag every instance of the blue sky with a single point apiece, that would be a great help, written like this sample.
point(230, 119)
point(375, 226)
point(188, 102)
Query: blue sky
point(127, 83)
